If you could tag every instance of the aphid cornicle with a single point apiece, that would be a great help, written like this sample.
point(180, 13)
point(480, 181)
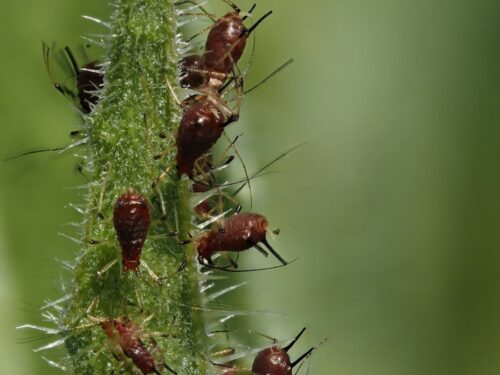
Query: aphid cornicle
point(127, 336)
point(237, 233)
point(201, 126)
point(131, 219)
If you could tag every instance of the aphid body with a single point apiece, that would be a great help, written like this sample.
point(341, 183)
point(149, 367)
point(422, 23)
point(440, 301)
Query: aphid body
point(237, 233)
point(201, 126)
point(276, 361)
point(125, 334)
point(224, 47)
point(88, 80)
point(131, 218)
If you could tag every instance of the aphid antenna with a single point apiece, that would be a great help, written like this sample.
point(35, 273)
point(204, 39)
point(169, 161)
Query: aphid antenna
point(271, 75)
point(32, 152)
point(226, 269)
point(267, 165)
point(274, 252)
point(307, 354)
point(72, 59)
point(232, 5)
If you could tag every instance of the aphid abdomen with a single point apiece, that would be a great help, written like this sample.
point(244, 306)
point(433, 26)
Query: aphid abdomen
point(88, 80)
point(131, 218)
point(225, 43)
point(238, 233)
point(272, 361)
point(201, 126)
point(192, 72)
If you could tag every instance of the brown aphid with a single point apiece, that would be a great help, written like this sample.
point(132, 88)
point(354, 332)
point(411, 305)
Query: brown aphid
point(201, 126)
point(89, 78)
point(131, 218)
point(237, 233)
point(128, 336)
point(276, 361)
point(226, 42)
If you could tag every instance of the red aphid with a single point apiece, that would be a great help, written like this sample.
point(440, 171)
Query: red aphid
point(237, 233)
point(226, 42)
point(127, 335)
point(201, 126)
point(224, 47)
point(131, 218)
point(276, 361)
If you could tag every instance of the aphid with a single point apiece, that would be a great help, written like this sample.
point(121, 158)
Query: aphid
point(128, 337)
point(131, 218)
point(276, 360)
point(89, 79)
point(237, 233)
point(224, 47)
point(201, 126)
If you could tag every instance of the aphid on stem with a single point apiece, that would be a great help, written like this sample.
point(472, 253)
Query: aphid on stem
point(274, 360)
point(239, 232)
point(131, 220)
point(88, 79)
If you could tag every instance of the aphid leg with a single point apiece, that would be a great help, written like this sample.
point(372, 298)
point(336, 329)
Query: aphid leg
point(68, 93)
point(72, 60)
point(137, 295)
point(172, 91)
point(261, 250)
point(151, 273)
point(107, 267)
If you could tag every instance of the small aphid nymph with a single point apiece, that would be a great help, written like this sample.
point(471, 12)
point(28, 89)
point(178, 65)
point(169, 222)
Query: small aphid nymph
point(131, 218)
point(237, 233)
point(128, 337)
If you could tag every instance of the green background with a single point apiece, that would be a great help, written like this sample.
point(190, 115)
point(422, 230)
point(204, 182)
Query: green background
point(393, 207)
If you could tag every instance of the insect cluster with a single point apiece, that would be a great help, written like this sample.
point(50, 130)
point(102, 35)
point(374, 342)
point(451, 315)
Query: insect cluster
point(212, 84)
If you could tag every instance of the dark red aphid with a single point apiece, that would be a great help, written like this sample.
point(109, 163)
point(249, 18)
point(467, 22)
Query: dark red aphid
point(224, 47)
point(89, 79)
point(201, 126)
point(131, 218)
point(128, 336)
point(237, 233)
point(276, 361)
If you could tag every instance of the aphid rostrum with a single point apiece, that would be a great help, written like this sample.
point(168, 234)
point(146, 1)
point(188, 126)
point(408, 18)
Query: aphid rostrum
point(239, 232)
point(88, 79)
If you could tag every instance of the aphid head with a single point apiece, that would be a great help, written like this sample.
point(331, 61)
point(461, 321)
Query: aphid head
point(204, 250)
point(192, 72)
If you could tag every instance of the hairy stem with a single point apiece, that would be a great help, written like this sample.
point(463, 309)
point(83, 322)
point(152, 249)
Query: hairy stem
point(136, 120)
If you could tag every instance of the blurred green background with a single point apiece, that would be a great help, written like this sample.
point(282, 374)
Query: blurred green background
point(393, 207)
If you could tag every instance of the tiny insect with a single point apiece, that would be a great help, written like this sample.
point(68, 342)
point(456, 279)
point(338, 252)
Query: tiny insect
point(89, 79)
point(276, 360)
point(131, 219)
point(239, 232)
point(128, 336)
point(224, 47)
point(201, 126)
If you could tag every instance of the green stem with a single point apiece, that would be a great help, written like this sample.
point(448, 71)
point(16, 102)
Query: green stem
point(135, 120)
